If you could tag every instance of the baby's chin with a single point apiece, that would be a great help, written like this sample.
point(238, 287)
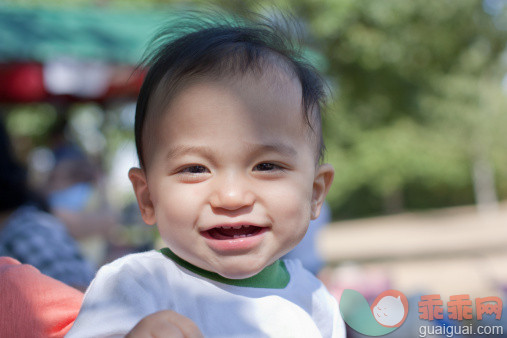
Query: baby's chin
point(240, 268)
point(240, 272)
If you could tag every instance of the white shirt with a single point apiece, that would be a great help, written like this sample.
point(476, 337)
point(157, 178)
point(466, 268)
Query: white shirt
point(132, 287)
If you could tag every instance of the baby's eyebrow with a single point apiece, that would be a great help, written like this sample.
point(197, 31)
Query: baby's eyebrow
point(252, 148)
point(277, 147)
point(184, 149)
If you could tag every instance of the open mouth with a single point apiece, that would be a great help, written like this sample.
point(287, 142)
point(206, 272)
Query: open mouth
point(233, 232)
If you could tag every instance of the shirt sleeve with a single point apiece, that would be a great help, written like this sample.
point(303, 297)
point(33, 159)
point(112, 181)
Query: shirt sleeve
point(118, 298)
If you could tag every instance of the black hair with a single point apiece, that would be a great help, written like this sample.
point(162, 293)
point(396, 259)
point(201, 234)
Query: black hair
point(14, 189)
point(201, 45)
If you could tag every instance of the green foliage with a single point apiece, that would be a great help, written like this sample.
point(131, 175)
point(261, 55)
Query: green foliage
point(417, 97)
point(32, 120)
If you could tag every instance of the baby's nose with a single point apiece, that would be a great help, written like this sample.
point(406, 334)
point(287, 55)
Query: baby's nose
point(232, 193)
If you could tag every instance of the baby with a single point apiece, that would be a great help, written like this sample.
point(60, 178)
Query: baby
point(228, 133)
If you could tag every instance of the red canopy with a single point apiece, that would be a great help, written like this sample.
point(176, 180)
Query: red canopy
point(28, 82)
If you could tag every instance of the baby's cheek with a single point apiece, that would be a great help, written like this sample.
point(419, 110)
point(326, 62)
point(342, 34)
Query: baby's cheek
point(293, 213)
point(176, 206)
point(296, 200)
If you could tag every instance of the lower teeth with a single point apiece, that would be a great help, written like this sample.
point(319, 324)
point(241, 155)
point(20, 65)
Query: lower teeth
point(242, 236)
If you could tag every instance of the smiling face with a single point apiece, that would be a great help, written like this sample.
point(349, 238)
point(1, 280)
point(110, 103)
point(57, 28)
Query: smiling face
point(232, 180)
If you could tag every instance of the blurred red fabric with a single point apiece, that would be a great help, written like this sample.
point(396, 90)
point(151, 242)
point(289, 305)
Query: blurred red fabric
point(22, 82)
point(33, 304)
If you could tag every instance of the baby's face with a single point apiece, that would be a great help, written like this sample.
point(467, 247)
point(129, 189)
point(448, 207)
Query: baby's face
point(232, 180)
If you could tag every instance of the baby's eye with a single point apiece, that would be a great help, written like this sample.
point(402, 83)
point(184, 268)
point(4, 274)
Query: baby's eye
point(266, 166)
point(194, 169)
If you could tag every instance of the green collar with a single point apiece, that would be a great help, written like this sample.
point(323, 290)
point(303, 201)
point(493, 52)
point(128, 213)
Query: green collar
point(274, 276)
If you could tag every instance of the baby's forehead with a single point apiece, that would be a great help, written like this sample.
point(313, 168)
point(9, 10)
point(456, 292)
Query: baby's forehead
point(275, 91)
point(265, 91)
point(272, 81)
point(270, 76)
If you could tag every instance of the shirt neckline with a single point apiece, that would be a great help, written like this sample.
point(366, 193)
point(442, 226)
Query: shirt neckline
point(274, 276)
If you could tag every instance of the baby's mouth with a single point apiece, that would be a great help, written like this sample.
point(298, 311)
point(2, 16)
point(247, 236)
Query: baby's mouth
point(233, 232)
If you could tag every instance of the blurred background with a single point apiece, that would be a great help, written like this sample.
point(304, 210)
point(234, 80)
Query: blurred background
point(415, 128)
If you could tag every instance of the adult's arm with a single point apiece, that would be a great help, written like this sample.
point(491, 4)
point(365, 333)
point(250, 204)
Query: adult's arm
point(33, 304)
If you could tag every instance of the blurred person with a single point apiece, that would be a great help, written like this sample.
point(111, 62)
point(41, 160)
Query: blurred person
point(29, 233)
point(76, 195)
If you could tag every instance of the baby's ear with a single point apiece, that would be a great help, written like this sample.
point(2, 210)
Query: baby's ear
point(321, 184)
point(140, 184)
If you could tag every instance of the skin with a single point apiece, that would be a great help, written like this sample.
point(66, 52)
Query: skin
point(165, 324)
point(227, 153)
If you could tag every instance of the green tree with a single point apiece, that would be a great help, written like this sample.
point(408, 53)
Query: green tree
point(417, 101)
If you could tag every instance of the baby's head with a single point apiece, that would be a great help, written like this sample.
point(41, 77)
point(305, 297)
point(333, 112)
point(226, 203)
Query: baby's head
point(228, 132)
